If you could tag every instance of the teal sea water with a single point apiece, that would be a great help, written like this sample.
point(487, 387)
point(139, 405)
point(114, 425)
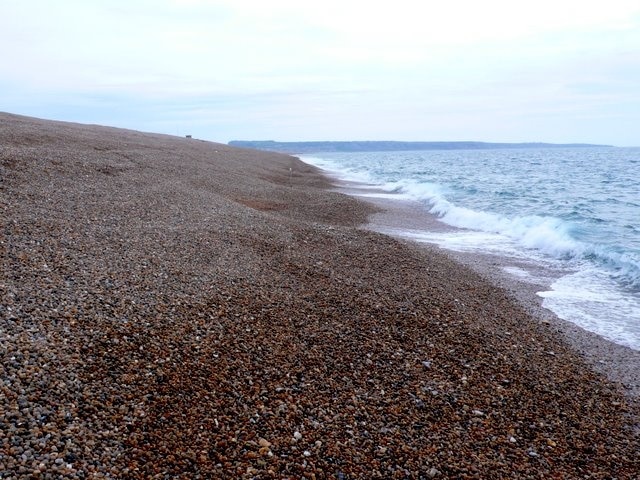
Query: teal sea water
point(575, 210)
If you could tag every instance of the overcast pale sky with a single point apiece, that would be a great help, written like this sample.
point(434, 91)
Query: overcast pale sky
point(491, 70)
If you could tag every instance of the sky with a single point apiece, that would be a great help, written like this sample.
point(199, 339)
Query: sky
point(557, 71)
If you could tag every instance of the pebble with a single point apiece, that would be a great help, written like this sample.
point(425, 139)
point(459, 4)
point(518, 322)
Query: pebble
point(264, 443)
point(433, 472)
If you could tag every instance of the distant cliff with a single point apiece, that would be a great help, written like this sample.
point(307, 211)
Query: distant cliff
point(388, 146)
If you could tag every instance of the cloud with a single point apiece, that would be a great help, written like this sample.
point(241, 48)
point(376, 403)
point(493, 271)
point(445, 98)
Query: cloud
point(330, 69)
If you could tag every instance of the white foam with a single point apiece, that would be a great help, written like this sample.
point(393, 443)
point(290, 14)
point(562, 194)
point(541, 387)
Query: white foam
point(336, 170)
point(471, 241)
point(517, 272)
point(547, 234)
point(369, 194)
point(590, 299)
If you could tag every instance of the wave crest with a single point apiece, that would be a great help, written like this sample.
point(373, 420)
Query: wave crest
point(549, 235)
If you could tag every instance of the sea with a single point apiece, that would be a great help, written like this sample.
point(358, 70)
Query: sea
point(574, 212)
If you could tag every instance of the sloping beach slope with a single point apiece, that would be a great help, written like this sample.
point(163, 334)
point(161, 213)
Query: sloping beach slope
point(172, 308)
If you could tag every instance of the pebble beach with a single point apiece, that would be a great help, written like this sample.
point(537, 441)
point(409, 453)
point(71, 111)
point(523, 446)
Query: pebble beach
point(175, 308)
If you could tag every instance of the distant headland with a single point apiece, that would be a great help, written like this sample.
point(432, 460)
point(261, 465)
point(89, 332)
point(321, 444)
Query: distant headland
point(390, 146)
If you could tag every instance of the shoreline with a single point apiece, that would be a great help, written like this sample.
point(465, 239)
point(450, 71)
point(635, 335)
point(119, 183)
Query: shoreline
point(174, 308)
point(618, 363)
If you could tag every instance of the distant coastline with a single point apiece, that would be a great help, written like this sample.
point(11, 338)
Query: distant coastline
point(391, 146)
